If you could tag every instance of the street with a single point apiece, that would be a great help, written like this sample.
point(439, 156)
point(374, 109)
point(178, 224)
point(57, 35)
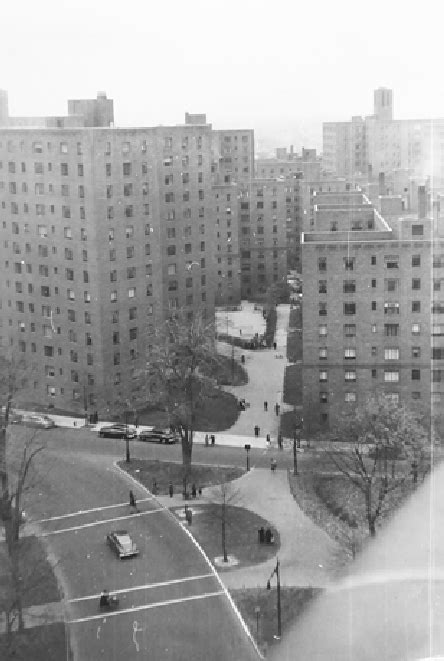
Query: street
point(171, 604)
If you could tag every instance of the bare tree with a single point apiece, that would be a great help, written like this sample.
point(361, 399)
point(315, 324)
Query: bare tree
point(383, 433)
point(225, 495)
point(175, 376)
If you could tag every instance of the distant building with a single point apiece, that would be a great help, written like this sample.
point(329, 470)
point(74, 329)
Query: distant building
point(373, 305)
point(380, 144)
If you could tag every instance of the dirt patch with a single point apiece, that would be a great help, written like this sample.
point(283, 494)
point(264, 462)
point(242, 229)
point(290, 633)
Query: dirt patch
point(47, 643)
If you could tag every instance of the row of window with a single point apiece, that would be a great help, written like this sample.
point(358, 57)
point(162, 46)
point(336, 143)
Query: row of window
point(390, 330)
point(390, 284)
point(40, 210)
point(39, 188)
point(392, 376)
point(390, 307)
point(40, 169)
point(391, 353)
point(390, 262)
point(351, 397)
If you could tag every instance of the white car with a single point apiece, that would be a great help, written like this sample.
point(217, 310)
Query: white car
point(36, 420)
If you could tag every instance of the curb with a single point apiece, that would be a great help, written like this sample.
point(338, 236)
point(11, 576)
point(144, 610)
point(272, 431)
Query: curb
point(206, 558)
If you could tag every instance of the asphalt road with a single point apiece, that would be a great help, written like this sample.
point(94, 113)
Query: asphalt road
point(172, 606)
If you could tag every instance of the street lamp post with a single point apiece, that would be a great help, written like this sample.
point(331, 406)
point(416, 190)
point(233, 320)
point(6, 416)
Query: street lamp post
point(257, 610)
point(248, 448)
point(276, 571)
point(127, 457)
point(296, 445)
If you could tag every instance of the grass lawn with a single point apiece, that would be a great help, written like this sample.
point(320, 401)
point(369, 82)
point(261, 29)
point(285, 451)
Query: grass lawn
point(241, 533)
point(146, 471)
point(228, 372)
point(294, 346)
point(37, 644)
point(219, 412)
point(39, 583)
point(293, 385)
point(264, 625)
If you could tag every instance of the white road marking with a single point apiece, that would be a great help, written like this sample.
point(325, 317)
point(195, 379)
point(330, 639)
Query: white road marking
point(94, 509)
point(99, 523)
point(144, 587)
point(158, 604)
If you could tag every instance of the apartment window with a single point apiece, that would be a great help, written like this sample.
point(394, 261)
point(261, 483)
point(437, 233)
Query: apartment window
point(391, 261)
point(130, 252)
point(115, 317)
point(110, 213)
point(350, 397)
point(113, 296)
point(322, 309)
point(322, 286)
point(391, 354)
point(349, 308)
point(148, 249)
point(416, 352)
point(323, 375)
point(87, 317)
point(116, 358)
point(349, 330)
point(437, 376)
point(374, 373)
point(416, 260)
point(416, 329)
point(417, 230)
point(349, 263)
point(350, 375)
point(416, 283)
point(350, 353)
point(322, 353)
point(349, 286)
point(116, 337)
point(391, 330)
point(73, 356)
point(416, 375)
point(129, 211)
point(322, 263)
point(437, 353)
point(437, 330)
point(323, 397)
point(172, 269)
point(112, 255)
point(127, 190)
point(391, 375)
point(64, 169)
point(131, 292)
point(132, 313)
point(133, 333)
point(70, 294)
point(391, 307)
point(416, 306)
point(131, 272)
point(126, 169)
point(108, 169)
point(126, 147)
point(391, 284)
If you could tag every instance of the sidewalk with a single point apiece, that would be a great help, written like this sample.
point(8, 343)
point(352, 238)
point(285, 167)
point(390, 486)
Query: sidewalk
point(308, 556)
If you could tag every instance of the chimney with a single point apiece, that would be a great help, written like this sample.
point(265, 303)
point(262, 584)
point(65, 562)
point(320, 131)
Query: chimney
point(381, 180)
point(422, 202)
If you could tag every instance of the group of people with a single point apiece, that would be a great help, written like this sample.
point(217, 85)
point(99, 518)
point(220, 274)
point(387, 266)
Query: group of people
point(265, 536)
point(207, 439)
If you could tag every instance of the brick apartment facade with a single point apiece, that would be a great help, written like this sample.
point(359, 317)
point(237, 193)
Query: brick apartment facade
point(373, 308)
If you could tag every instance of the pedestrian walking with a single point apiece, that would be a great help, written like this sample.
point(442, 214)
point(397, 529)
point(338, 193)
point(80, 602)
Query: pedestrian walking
point(213, 439)
point(256, 430)
point(154, 489)
point(268, 439)
point(199, 491)
point(277, 408)
point(193, 490)
point(280, 442)
point(171, 489)
point(261, 535)
point(268, 536)
point(273, 465)
point(207, 440)
point(132, 500)
point(275, 345)
point(265, 406)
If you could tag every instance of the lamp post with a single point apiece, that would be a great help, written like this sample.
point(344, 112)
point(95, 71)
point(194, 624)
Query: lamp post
point(248, 448)
point(257, 611)
point(296, 444)
point(276, 571)
point(127, 457)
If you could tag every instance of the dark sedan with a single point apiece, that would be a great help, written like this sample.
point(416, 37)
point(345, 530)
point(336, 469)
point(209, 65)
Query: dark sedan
point(116, 431)
point(122, 544)
point(160, 435)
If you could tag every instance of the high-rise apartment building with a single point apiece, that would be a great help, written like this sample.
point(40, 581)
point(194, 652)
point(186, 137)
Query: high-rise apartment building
point(379, 144)
point(103, 230)
point(373, 306)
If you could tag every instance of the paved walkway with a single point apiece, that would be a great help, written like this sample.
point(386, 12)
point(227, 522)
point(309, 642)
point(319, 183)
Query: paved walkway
point(307, 554)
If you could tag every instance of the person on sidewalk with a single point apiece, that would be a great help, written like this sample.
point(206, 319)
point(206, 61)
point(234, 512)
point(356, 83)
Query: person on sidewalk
point(207, 440)
point(275, 345)
point(277, 408)
point(171, 489)
point(273, 465)
point(193, 491)
point(154, 489)
point(268, 439)
point(256, 430)
point(265, 406)
point(213, 439)
point(132, 500)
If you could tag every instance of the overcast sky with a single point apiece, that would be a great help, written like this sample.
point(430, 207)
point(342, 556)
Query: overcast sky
point(278, 67)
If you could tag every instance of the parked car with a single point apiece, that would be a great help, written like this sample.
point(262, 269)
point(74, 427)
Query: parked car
point(35, 420)
point(117, 431)
point(160, 435)
point(122, 544)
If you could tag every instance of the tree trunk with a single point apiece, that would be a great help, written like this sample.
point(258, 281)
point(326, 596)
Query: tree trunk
point(187, 449)
point(368, 506)
point(224, 537)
